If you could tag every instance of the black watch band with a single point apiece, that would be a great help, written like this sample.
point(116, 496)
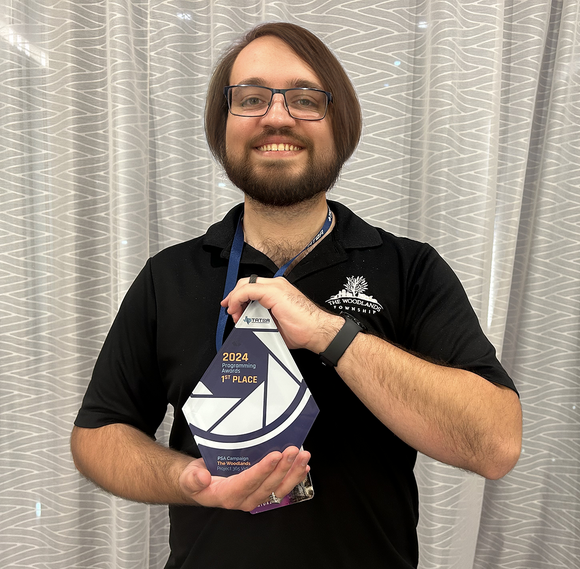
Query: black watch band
point(342, 340)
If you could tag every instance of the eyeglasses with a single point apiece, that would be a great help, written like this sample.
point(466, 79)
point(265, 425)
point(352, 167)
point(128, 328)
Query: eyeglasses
point(302, 103)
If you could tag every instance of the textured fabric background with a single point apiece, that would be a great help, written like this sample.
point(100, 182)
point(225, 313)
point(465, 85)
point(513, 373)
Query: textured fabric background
point(471, 142)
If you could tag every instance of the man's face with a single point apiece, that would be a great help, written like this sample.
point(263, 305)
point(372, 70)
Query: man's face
point(275, 159)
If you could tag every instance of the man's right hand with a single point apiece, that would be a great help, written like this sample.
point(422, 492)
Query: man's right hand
point(129, 464)
point(277, 472)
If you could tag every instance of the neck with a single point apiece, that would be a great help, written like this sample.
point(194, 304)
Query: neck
point(282, 232)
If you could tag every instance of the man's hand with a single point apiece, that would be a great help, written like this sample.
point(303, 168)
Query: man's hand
point(302, 323)
point(277, 472)
point(127, 463)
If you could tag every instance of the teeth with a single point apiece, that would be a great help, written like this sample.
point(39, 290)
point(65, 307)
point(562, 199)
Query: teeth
point(277, 147)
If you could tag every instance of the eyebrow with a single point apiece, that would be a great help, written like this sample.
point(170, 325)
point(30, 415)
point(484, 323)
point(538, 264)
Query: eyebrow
point(259, 81)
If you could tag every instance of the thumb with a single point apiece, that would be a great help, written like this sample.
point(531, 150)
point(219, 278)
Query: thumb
point(195, 477)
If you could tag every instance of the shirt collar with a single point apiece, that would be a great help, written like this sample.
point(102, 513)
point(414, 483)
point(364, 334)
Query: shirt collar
point(352, 231)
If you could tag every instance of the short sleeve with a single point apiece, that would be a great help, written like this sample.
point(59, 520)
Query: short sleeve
point(126, 386)
point(441, 323)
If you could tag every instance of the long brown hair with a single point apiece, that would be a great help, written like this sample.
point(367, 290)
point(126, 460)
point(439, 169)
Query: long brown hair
point(344, 112)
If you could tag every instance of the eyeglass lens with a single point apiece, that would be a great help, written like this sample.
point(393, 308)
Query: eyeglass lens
point(253, 101)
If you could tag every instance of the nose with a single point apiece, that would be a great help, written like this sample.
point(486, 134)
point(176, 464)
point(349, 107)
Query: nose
point(277, 113)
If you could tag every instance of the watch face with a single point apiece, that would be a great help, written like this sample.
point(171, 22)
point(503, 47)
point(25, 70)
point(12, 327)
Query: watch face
point(252, 395)
point(355, 320)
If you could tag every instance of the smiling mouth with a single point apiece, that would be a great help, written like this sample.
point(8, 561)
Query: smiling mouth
point(278, 148)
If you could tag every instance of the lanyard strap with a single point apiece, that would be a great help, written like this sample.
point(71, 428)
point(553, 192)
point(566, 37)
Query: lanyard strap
point(234, 266)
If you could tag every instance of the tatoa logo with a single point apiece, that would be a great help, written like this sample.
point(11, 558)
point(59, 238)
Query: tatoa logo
point(249, 320)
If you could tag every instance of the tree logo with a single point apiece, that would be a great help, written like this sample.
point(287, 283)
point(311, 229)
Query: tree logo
point(356, 285)
point(352, 297)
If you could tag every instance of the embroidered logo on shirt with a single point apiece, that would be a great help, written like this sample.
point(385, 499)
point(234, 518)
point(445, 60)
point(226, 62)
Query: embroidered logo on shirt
point(352, 297)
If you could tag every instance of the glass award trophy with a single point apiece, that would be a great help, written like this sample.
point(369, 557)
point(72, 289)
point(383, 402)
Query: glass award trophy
point(251, 400)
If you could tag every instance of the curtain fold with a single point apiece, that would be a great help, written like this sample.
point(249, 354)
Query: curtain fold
point(470, 142)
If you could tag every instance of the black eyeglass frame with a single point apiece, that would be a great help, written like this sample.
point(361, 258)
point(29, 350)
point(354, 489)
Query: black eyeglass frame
point(283, 92)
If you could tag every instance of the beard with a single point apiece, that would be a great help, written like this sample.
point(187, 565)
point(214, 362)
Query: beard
point(274, 183)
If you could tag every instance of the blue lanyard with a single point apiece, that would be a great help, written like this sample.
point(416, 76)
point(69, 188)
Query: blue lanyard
point(234, 266)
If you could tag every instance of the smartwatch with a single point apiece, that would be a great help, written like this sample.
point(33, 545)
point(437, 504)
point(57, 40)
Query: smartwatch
point(342, 340)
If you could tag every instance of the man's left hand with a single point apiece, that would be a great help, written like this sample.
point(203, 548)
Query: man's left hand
point(302, 323)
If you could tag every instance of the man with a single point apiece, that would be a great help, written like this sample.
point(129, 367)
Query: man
point(282, 118)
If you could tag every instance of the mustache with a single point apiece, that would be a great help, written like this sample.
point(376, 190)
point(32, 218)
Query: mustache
point(285, 132)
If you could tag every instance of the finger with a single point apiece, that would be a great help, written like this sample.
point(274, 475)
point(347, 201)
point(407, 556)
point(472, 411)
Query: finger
point(245, 292)
point(253, 478)
point(246, 490)
point(295, 475)
point(291, 470)
point(266, 475)
point(252, 279)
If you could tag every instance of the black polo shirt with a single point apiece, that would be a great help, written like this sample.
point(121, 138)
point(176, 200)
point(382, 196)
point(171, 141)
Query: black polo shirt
point(365, 510)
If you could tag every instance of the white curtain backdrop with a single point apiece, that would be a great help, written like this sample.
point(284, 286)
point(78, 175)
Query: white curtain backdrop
point(471, 142)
